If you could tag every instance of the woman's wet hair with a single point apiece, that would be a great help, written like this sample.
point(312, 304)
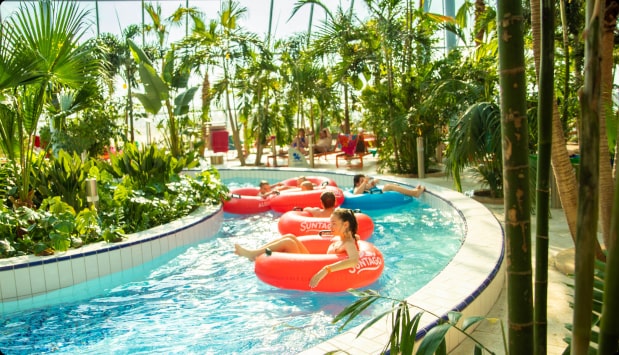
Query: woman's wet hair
point(348, 215)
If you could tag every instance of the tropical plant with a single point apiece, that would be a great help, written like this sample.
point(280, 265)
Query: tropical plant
point(47, 34)
point(91, 131)
point(62, 176)
point(339, 41)
point(599, 285)
point(475, 141)
point(232, 50)
point(404, 326)
point(118, 55)
point(147, 166)
point(136, 192)
point(159, 87)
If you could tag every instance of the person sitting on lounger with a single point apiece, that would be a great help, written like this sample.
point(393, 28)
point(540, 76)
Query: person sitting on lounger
point(366, 185)
point(324, 143)
point(300, 142)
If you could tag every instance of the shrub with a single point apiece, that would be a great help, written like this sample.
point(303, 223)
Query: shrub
point(139, 189)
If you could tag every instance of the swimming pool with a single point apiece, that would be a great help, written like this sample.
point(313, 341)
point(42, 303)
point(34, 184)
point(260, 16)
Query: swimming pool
point(470, 283)
point(207, 300)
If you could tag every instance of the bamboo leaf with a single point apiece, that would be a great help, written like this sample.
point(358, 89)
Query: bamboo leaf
point(433, 339)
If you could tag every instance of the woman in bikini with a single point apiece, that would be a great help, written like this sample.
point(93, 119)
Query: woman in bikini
point(344, 230)
point(366, 185)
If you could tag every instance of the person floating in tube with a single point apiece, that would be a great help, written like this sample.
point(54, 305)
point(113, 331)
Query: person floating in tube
point(327, 199)
point(345, 241)
point(366, 185)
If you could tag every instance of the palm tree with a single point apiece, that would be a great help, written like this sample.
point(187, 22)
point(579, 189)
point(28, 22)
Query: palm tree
point(400, 44)
point(257, 85)
point(48, 34)
point(233, 49)
point(119, 56)
point(588, 189)
point(610, 13)
point(172, 76)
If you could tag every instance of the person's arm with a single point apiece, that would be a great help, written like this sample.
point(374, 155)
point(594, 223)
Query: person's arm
point(350, 262)
point(364, 186)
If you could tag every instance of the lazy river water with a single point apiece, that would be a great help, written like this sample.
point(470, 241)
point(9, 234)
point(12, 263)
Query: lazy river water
point(205, 299)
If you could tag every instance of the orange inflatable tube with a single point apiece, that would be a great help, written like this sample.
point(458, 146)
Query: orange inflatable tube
point(245, 200)
point(303, 223)
point(294, 271)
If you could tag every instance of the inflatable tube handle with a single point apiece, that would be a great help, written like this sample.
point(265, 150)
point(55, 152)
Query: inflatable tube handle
point(328, 232)
point(235, 195)
point(325, 183)
point(297, 209)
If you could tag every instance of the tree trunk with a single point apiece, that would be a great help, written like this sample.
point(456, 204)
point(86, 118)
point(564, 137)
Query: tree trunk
point(516, 176)
point(588, 190)
point(544, 124)
point(480, 9)
point(607, 64)
point(562, 167)
point(609, 327)
point(205, 117)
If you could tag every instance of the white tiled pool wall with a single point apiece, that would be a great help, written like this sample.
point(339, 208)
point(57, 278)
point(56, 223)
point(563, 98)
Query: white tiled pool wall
point(470, 284)
point(27, 276)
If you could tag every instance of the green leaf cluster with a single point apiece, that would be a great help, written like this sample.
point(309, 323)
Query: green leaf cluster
point(404, 325)
point(146, 167)
point(139, 189)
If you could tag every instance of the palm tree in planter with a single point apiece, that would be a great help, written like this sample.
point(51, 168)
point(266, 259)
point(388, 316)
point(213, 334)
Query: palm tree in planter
point(475, 142)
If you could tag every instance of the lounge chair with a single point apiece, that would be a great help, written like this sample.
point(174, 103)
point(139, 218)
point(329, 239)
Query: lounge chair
point(353, 152)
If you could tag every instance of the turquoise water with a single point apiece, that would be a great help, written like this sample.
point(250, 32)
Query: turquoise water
point(206, 300)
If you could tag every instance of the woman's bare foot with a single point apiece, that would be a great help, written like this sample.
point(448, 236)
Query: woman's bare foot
point(419, 190)
point(240, 251)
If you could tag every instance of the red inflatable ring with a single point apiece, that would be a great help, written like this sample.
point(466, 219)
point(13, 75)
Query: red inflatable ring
point(245, 200)
point(316, 180)
point(303, 223)
point(293, 271)
point(287, 200)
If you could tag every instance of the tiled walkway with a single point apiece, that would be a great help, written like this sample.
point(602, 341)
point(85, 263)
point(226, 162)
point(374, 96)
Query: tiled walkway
point(559, 312)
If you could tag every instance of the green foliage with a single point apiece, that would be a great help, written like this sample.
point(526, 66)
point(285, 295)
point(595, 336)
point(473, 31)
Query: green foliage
point(404, 326)
point(39, 232)
point(598, 302)
point(87, 225)
point(475, 142)
point(62, 176)
point(146, 167)
point(140, 189)
point(46, 34)
point(91, 131)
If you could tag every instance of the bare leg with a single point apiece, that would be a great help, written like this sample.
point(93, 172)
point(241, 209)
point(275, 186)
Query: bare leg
point(286, 244)
point(416, 192)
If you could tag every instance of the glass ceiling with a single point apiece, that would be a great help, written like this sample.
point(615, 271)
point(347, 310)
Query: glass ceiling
point(116, 15)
